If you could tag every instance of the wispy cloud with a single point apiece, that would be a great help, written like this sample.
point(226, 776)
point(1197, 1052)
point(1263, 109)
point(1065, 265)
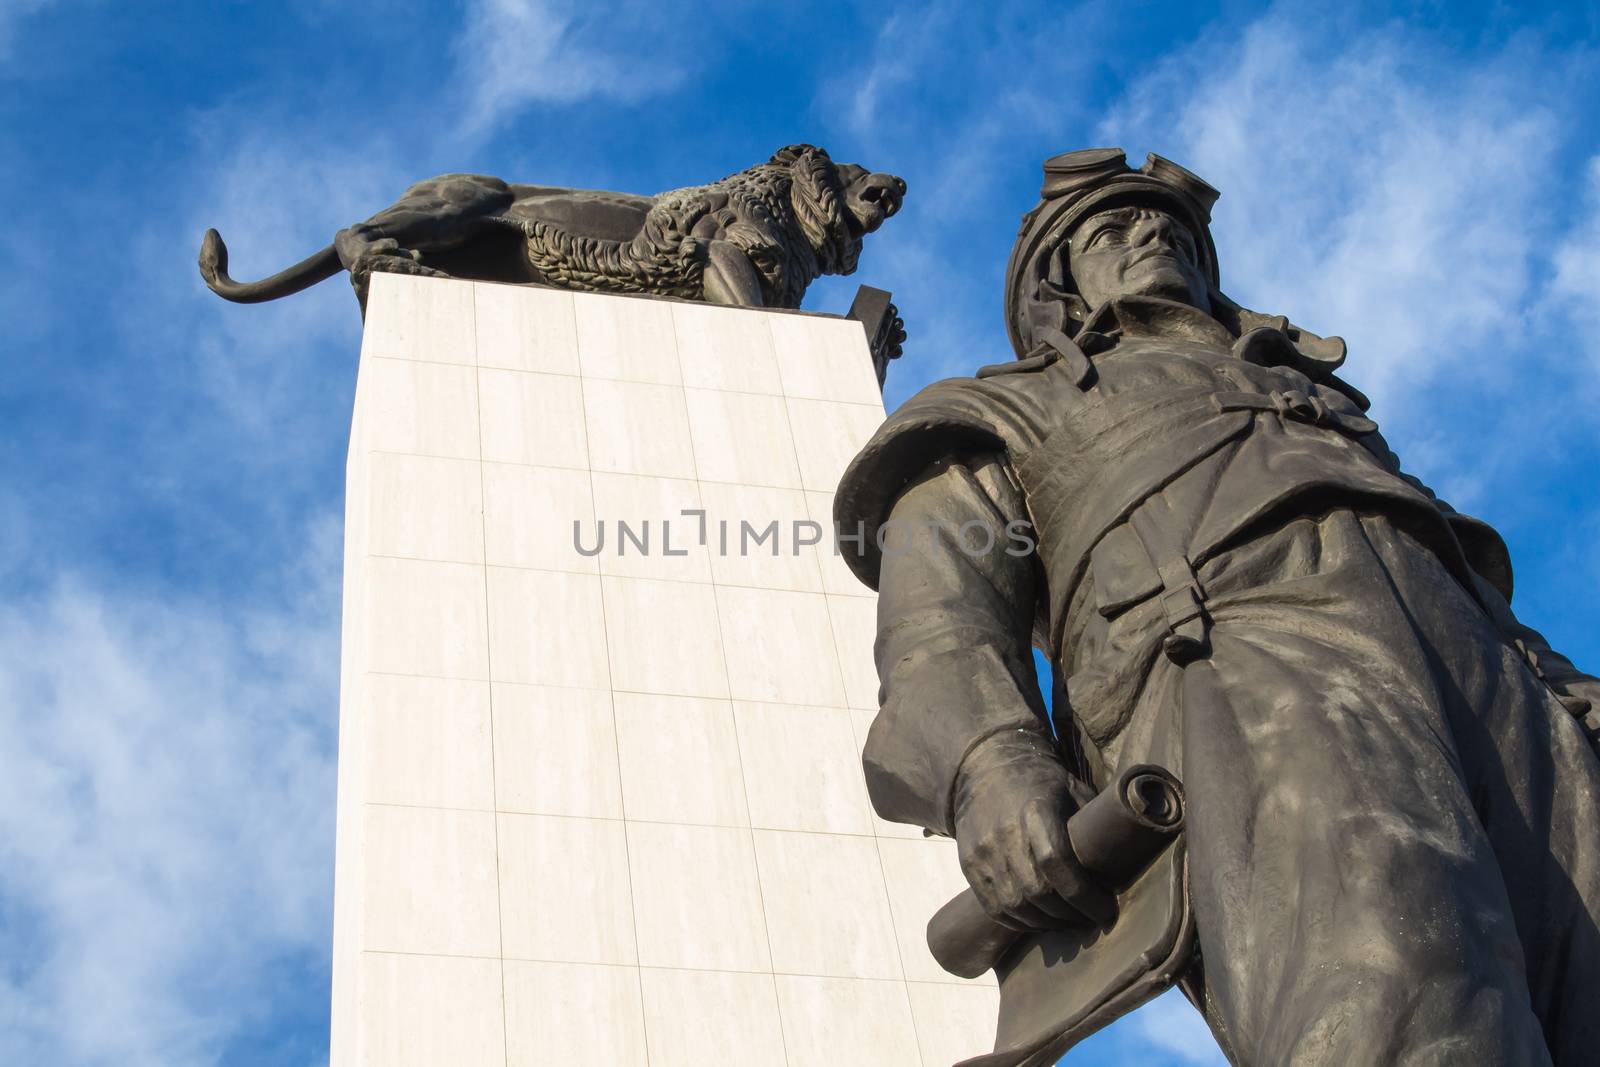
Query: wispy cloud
point(1372, 191)
point(987, 84)
point(1364, 189)
point(167, 747)
point(1575, 288)
point(900, 53)
point(276, 194)
point(166, 788)
point(513, 53)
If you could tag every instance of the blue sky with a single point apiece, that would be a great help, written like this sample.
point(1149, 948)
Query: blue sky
point(1422, 179)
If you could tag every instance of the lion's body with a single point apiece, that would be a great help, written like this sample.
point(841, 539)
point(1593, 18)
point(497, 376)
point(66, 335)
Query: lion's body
point(759, 237)
point(754, 210)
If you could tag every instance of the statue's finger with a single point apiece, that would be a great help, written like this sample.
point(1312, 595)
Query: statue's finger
point(983, 887)
point(1069, 880)
point(1032, 918)
point(1049, 902)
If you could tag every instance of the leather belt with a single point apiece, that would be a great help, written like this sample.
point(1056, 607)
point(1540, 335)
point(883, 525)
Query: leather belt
point(1298, 406)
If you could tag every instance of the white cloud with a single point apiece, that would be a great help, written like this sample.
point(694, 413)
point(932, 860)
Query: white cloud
point(276, 195)
point(1367, 191)
point(986, 83)
point(513, 53)
point(1575, 289)
point(900, 54)
point(166, 788)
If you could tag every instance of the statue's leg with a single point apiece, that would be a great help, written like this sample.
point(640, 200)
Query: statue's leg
point(433, 216)
point(1350, 906)
point(730, 277)
point(1535, 784)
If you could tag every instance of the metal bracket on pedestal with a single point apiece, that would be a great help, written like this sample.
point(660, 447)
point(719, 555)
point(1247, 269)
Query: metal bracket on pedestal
point(886, 331)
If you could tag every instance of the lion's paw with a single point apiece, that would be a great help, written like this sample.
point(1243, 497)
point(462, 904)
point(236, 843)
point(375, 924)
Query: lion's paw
point(402, 263)
point(362, 269)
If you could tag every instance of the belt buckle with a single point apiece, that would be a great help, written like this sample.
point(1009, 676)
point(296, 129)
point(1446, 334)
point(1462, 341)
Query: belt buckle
point(1182, 603)
point(1293, 404)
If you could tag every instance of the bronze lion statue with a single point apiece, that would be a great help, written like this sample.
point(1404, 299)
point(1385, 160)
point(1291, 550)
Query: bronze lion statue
point(754, 239)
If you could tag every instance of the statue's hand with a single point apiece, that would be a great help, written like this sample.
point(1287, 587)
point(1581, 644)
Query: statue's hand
point(1013, 797)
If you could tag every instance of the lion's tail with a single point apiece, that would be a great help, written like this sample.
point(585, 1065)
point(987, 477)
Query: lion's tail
point(304, 274)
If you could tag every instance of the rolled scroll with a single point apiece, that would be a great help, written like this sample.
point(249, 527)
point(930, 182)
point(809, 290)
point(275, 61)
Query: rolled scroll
point(1114, 837)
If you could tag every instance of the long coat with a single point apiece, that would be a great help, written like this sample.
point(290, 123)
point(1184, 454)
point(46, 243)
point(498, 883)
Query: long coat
point(1391, 830)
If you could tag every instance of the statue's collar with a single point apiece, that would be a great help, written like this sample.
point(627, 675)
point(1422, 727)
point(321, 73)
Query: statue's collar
point(1265, 340)
point(1130, 317)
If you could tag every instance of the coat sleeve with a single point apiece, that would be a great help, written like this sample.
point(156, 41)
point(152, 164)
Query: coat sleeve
point(956, 613)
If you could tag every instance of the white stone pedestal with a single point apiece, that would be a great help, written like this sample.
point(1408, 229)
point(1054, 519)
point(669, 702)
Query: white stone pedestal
point(609, 809)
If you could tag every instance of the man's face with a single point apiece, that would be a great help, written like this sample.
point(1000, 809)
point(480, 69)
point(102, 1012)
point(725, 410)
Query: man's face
point(1136, 251)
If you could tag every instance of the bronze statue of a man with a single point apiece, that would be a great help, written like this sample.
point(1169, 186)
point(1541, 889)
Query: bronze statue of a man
point(1393, 851)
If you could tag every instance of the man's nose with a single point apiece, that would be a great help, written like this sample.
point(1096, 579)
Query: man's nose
point(1151, 229)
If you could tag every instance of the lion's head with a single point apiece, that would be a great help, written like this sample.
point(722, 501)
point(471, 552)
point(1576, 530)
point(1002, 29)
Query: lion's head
point(837, 203)
point(870, 196)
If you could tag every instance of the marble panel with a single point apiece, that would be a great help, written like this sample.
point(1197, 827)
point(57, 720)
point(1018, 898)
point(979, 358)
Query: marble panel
point(827, 913)
point(779, 647)
point(521, 327)
point(664, 638)
point(535, 419)
point(423, 507)
point(529, 514)
point(695, 1018)
point(425, 617)
point(801, 769)
point(652, 509)
point(573, 1015)
point(424, 409)
point(423, 1011)
point(407, 320)
point(724, 348)
point(699, 901)
point(638, 428)
point(824, 359)
point(428, 881)
point(837, 577)
point(953, 1022)
point(750, 550)
point(922, 875)
point(631, 340)
point(564, 892)
point(827, 436)
point(547, 628)
point(680, 760)
point(555, 752)
point(832, 1021)
point(427, 742)
point(855, 629)
point(742, 437)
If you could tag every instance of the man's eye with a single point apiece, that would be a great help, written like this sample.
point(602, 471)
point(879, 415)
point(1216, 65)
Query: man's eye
point(1109, 235)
